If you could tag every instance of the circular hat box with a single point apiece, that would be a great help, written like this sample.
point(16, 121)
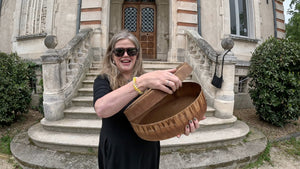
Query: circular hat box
point(156, 115)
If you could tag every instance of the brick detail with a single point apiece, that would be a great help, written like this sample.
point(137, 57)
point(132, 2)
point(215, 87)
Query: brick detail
point(95, 22)
point(279, 15)
point(91, 9)
point(187, 12)
point(193, 1)
point(279, 20)
point(187, 24)
point(279, 11)
point(280, 30)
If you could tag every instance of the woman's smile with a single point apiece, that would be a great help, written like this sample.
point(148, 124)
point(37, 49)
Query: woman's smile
point(125, 63)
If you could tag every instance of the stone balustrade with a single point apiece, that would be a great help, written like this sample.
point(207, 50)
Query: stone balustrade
point(63, 70)
point(202, 57)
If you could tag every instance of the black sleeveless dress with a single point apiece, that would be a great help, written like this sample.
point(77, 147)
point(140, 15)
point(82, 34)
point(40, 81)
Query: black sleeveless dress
point(119, 146)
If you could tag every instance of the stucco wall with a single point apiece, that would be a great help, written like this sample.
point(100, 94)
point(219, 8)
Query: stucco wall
point(211, 23)
point(60, 20)
point(65, 21)
point(215, 24)
point(267, 28)
point(6, 25)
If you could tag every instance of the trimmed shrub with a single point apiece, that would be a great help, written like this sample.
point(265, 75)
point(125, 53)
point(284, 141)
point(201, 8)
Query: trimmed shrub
point(15, 90)
point(275, 81)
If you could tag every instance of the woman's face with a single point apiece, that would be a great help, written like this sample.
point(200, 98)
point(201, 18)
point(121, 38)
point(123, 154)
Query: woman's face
point(125, 62)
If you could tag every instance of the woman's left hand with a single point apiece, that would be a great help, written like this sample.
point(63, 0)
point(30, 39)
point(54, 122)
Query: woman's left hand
point(192, 126)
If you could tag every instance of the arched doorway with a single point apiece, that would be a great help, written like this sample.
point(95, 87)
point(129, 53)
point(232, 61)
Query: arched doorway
point(139, 17)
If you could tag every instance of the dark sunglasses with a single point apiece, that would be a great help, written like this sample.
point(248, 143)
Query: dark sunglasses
point(119, 52)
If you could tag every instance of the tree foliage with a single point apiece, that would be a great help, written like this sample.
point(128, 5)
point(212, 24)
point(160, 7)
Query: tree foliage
point(293, 26)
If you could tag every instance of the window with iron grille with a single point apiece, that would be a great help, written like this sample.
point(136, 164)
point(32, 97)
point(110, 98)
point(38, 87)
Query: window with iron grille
point(243, 84)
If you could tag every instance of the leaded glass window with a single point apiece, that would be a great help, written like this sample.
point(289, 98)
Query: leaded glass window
point(130, 19)
point(147, 20)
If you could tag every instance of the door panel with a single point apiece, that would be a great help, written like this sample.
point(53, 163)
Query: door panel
point(131, 19)
point(140, 19)
point(148, 31)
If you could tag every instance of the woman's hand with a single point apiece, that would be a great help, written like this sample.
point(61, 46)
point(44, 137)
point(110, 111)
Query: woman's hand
point(163, 80)
point(192, 126)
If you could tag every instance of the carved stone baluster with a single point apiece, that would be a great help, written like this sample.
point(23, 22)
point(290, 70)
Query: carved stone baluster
point(53, 80)
point(224, 98)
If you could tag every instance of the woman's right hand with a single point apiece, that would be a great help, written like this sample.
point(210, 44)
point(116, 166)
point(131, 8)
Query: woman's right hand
point(163, 80)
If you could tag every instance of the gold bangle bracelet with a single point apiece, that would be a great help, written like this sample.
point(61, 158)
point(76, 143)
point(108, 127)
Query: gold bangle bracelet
point(135, 87)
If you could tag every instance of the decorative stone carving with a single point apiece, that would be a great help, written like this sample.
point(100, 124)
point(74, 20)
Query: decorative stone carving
point(227, 43)
point(50, 41)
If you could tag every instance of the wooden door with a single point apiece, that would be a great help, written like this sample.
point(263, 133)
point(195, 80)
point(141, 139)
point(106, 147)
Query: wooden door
point(140, 19)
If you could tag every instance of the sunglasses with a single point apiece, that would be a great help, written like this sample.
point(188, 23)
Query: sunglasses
point(119, 52)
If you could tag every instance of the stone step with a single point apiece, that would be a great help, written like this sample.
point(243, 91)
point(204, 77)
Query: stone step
point(88, 83)
point(63, 141)
point(80, 113)
point(85, 120)
point(209, 111)
point(85, 91)
point(160, 65)
point(208, 139)
point(214, 123)
point(91, 76)
point(97, 64)
point(84, 101)
point(86, 126)
point(93, 126)
point(236, 155)
point(74, 125)
point(94, 69)
point(82, 142)
point(198, 152)
point(148, 64)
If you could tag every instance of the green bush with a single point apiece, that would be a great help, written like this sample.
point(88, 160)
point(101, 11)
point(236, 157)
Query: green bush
point(15, 90)
point(275, 81)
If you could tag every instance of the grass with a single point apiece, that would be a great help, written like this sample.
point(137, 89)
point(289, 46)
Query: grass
point(291, 147)
point(5, 144)
point(264, 157)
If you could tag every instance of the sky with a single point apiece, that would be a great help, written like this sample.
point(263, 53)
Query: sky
point(286, 4)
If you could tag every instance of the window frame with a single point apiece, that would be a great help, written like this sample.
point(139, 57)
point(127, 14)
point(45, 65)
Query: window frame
point(250, 19)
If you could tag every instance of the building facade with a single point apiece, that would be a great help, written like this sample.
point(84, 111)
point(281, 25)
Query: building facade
point(158, 24)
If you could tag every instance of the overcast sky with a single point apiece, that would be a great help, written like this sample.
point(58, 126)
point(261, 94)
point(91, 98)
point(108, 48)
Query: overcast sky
point(286, 4)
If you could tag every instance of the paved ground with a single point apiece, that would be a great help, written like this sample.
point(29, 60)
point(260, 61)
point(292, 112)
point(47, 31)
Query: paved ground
point(280, 160)
point(5, 163)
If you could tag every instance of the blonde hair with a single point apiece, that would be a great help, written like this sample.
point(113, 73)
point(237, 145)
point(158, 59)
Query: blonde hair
point(110, 70)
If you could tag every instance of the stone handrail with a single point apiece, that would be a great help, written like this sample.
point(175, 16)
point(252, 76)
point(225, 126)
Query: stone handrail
point(202, 57)
point(63, 70)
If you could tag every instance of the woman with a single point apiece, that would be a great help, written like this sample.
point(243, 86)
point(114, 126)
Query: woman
point(114, 90)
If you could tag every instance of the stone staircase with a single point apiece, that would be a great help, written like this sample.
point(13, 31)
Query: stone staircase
point(72, 141)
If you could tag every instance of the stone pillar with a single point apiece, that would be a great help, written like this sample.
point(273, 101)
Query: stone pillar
point(224, 98)
point(54, 79)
